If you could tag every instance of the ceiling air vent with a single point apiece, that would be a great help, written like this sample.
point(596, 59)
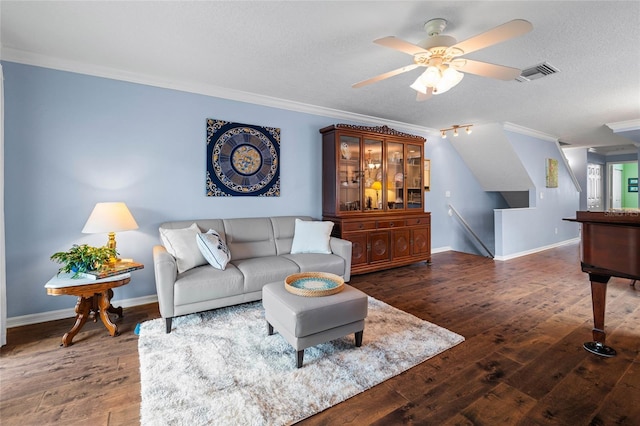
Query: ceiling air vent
point(538, 71)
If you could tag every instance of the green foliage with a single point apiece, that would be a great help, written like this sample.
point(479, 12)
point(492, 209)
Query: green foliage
point(83, 258)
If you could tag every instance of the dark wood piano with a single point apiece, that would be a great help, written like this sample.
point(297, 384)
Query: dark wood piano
point(610, 247)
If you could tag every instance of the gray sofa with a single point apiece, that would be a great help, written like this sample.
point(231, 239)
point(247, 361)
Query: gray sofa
point(260, 254)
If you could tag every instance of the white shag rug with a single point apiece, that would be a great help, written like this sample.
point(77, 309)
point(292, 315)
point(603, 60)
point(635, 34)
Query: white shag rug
point(220, 367)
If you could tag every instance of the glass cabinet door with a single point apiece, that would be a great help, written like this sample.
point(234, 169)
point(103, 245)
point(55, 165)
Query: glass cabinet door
point(414, 177)
point(372, 167)
point(395, 176)
point(349, 171)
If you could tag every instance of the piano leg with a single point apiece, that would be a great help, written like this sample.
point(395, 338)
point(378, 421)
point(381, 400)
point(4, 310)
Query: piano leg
point(598, 300)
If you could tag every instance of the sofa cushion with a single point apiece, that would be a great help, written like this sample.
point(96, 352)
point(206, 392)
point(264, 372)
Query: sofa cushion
point(249, 237)
point(181, 244)
point(207, 283)
point(314, 262)
point(264, 270)
point(283, 230)
point(311, 237)
point(214, 249)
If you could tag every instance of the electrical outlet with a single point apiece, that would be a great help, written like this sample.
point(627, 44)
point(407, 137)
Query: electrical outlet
point(556, 231)
point(447, 194)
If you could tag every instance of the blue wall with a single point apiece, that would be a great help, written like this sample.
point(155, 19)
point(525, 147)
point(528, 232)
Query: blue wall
point(73, 140)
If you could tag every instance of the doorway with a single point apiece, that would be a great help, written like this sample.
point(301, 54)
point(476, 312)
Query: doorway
point(621, 194)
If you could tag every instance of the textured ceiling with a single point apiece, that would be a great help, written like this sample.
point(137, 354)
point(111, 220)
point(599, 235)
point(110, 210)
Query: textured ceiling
point(311, 52)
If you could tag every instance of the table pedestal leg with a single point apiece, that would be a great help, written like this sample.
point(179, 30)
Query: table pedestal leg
point(105, 307)
point(90, 307)
point(598, 300)
point(111, 309)
point(83, 310)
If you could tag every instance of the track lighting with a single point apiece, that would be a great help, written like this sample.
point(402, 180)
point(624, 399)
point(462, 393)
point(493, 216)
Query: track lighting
point(455, 127)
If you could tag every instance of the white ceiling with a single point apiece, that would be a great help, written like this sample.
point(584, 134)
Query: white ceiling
point(311, 52)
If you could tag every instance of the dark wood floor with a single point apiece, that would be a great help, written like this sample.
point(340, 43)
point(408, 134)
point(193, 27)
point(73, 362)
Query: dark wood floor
point(524, 321)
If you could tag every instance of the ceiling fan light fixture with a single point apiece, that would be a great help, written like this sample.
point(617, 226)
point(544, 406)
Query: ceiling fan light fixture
point(450, 78)
point(444, 134)
point(440, 55)
point(468, 130)
point(419, 87)
point(431, 77)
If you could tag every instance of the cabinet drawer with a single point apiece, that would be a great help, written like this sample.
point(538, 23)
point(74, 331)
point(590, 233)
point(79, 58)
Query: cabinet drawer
point(358, 226)
point(395, 223)
point(418, 221)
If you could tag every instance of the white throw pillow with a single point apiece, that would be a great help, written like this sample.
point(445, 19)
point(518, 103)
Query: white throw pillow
point(311, 237)
point(214, 249)
point(181, 244)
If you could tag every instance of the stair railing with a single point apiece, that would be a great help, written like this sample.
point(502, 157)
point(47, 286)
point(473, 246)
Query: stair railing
point(468, 228)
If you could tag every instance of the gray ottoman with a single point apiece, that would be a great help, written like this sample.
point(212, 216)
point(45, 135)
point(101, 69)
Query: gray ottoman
point(308, 321)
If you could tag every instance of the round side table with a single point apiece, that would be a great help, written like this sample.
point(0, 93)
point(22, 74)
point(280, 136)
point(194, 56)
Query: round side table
point(94, 297)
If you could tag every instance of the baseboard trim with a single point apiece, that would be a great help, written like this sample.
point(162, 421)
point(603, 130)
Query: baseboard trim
point(440, 249)
point(538, 249)
point(70, 313)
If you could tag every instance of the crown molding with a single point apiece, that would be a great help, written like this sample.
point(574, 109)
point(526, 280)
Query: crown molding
point(528, 132)
point(27, 58)
point(624, 126)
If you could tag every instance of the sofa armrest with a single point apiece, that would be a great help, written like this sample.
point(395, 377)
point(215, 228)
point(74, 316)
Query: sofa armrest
point(342, 248)
point(166, 272)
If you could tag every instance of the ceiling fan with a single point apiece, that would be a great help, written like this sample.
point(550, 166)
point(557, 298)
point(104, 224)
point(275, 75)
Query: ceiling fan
point(441, 56)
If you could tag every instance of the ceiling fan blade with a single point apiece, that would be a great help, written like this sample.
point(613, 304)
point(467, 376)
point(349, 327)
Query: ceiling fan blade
point(486, 69)
point(501, 33)
point(401, 45)
point(420, 97)
point(385, 75)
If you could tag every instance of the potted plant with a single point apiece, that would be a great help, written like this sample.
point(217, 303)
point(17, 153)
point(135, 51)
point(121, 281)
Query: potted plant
point(83, 258)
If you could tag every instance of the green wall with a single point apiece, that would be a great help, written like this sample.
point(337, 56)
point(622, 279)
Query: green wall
point(629, 199)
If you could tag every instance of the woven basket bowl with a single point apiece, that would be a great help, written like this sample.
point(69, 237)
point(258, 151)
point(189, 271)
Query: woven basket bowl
point(310, 292)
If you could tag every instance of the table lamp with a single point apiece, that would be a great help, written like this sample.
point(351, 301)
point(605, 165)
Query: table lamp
point(111, 218)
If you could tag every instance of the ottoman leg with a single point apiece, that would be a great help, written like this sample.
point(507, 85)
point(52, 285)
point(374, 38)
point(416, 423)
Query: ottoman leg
point(269, 329)
point(359, 338)
point(300, 358)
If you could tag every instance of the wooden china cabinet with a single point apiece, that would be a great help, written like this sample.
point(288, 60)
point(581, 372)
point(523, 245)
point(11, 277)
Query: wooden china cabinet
point(372, 190)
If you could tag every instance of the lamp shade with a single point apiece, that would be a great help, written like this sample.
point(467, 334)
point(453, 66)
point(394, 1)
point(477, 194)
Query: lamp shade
point(376, 185)
point(109, 217)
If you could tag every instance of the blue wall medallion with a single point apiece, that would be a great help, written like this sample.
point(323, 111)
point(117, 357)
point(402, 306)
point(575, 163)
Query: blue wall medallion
point(242, 160)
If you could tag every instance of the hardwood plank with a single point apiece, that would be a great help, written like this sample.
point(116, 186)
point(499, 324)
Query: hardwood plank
point(615, 408)
point(453, 395)
point(361, 409)
point(502, 405)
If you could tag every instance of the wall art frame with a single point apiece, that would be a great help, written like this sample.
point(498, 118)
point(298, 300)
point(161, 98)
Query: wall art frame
point(242, 160)
point(552, 173)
